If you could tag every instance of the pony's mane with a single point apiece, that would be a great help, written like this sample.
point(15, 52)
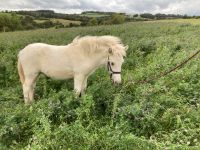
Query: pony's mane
point(92, 44)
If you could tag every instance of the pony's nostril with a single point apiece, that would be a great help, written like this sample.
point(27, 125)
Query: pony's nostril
point(115, 82)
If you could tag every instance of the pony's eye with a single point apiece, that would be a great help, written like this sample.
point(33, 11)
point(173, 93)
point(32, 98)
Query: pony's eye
point(112, 63)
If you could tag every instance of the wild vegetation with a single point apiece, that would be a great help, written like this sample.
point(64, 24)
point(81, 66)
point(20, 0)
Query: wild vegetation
point(162, 114)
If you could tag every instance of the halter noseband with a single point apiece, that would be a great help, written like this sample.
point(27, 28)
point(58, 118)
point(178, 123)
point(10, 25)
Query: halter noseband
point(110, 69)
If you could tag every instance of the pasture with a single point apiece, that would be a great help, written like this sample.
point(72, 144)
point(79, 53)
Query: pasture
point(62, 21)
point(182, 21)
point(162, 114)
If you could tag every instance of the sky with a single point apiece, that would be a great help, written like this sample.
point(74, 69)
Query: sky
point(189, 7)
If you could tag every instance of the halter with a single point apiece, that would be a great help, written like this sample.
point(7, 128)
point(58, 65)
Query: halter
point(110, 69)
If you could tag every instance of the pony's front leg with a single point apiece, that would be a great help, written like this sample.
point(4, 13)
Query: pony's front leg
point(84, 84)
point(78, 84)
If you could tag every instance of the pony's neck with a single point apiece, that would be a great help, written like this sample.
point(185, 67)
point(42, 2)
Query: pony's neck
point(98, 60)
point(101, 59)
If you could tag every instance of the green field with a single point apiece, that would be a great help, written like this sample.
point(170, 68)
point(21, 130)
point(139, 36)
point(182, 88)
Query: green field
point(94, 14)
point(182, 21)
point(163, 114)
point(63, 21)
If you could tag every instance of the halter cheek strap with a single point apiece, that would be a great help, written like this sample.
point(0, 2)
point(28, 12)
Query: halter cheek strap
point(110, 69)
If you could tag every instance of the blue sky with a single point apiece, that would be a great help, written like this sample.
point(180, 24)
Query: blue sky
point(190, 7)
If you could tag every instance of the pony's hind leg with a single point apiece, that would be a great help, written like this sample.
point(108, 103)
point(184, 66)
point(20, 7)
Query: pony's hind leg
point(28, 89)
point(31, 92)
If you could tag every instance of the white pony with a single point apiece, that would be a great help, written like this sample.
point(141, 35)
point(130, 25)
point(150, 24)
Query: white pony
point(76, 60)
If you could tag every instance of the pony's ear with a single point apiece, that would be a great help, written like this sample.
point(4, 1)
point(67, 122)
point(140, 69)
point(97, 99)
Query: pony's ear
point(110, 51)
point(76, 39)
point(126, 47)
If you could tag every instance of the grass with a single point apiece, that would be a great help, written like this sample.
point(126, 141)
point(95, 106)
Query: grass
point(182, 21)
point(163, 114)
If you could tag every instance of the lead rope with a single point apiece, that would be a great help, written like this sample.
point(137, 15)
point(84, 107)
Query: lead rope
point(162, 74)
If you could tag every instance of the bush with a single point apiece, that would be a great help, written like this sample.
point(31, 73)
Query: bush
point(117, 19)
point(92, 22)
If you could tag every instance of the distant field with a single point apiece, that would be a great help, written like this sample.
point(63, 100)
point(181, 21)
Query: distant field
point(63, 21)
point(184, 21)
point(40, 21)
point(94, 15)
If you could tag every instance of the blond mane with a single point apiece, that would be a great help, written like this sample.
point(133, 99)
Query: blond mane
point(96, 44)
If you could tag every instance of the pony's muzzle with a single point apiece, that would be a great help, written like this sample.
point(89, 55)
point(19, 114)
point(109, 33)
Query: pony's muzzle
point(116, 79)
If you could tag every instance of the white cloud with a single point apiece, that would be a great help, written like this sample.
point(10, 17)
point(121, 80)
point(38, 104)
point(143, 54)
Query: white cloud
point(190, 7)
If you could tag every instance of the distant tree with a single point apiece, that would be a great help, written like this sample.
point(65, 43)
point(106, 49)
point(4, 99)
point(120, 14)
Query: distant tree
point(185, 17)
point(9, 22)
point(27, 19)
point(28, 22)
point(117, 19)
point(2, 23)
point(93, 22)
point(73, 25)
point(160, 16)
point(147, 15)
point(15, 23)
point(47, 24)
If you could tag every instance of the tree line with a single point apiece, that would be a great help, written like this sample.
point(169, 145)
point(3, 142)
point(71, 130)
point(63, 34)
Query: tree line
point(163, 16)
point(109, 18)
point(14, 22)
point(25, 20)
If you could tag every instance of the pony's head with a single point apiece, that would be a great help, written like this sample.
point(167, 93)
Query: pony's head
point(116, 54)
point(111, 49)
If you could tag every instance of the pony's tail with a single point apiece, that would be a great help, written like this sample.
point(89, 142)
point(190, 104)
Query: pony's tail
point(21, 72)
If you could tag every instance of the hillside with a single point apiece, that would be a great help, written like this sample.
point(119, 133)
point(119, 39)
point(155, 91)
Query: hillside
point(162, 114)
point(64, 22)
point(29, 20)
point(96, 14)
